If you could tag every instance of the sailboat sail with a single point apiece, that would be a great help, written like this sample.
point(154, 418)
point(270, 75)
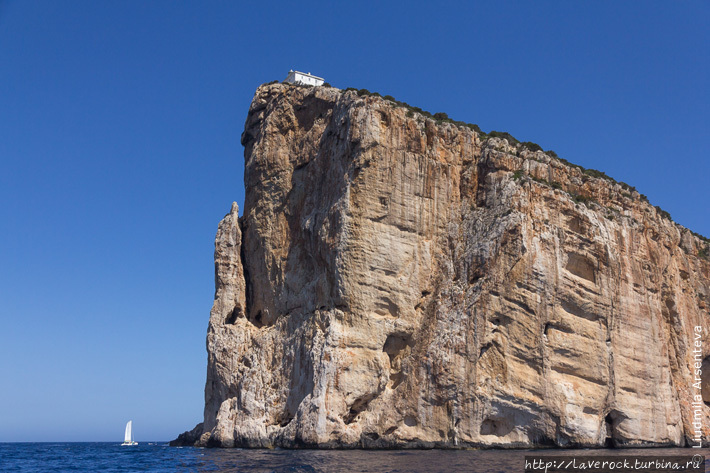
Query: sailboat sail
point(129, 432)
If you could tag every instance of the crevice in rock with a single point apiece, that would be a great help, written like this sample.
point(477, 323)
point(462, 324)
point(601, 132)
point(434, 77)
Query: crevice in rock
point(556, 325)
point(357, 407)
point(234, 315)
point(256, 321)
point(423, 300)
point(396, 379)
point(575, 372)
point(520, 304)
point(571, 307)
point(284, 419)
point(609, 429)
point(248, 287)
point(476, 273)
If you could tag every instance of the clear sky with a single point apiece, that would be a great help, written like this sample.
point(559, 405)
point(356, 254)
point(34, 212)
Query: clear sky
point(119, 152)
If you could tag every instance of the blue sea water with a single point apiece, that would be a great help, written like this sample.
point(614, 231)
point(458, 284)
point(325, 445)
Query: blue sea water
point(157, 457)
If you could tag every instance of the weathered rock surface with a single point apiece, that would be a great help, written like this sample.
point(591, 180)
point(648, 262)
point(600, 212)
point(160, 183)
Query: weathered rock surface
point(191, 437)
point(398, 282)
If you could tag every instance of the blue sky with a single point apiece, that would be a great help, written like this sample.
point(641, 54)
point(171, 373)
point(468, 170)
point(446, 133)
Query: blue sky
point(119, 152)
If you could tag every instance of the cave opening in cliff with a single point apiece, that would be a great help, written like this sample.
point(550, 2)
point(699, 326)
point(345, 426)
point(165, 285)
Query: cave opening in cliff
point(257, 320)
point(609, 441)
point(234, 315)
point(610, 422)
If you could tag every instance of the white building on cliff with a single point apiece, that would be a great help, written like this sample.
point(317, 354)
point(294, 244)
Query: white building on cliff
point(295, 77)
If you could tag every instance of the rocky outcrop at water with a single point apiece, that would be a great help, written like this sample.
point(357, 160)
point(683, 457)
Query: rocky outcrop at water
point(396, 281)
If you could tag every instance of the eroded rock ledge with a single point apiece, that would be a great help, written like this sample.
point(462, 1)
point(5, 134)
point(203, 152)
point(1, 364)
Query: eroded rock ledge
point(395, 282)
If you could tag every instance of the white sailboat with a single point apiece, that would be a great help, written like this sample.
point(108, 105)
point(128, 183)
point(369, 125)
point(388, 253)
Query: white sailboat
point(128, 438)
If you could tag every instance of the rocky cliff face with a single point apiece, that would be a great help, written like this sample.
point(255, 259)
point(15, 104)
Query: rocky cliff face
point(400, 282)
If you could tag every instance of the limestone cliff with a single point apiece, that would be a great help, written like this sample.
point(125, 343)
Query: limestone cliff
point(395, 281)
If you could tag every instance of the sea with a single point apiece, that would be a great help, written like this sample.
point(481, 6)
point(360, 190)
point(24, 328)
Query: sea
point(158, 457)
